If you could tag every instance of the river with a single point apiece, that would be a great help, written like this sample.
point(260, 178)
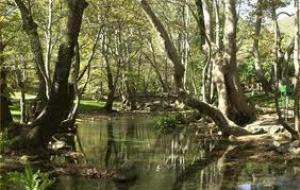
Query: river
point(163, 159)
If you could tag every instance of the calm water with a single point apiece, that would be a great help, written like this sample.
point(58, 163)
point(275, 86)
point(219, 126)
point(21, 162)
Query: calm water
point(163, 159)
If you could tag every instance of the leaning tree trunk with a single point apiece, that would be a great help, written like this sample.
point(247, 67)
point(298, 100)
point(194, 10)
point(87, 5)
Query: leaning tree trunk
point(30, 27)
point(61, 94)
point(218, 117)
point(231, 100)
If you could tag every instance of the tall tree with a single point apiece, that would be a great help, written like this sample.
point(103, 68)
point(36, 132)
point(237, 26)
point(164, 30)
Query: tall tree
point(297, 67)
point(61, 93)
point(231, 100)
point(5, 114)
point(5, 40)
point(219, 118)
point(30, 27)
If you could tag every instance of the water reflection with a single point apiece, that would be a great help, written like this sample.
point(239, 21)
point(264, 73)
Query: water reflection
point(178, 161)
point(111, 147)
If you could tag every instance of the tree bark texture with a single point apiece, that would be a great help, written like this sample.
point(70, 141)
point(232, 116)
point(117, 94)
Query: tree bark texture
point(30, 27)
point(231, 100)
point(5, 114)
point(62, 93)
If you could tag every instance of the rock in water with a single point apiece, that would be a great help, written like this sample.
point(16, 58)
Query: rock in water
point(127, 172)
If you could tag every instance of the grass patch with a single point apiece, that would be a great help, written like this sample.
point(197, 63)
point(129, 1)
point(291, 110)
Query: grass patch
point(85, 107)
point(90, 106)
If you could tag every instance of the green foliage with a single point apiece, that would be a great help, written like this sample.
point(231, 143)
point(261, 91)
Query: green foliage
point(30, 180)
point(246, 71)
point(5, 142)
point(180, 118)
point(170, 123)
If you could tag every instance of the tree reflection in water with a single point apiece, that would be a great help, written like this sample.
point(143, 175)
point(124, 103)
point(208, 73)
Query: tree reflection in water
point(111, 146)
point(185, 159)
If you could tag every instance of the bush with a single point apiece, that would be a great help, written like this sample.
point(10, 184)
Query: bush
point(4, 141)
point(168, 124)
point(180, 118)
point(30, 180)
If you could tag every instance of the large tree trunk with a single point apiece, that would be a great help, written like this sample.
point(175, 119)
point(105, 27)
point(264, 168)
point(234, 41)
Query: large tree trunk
point(218, 117)
point(111, 87)
point(131, 93)
point(130, 85)
point(61, 94)
point(111, 81)
point(236, 106)
point(30, 27)
point(5, 114)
